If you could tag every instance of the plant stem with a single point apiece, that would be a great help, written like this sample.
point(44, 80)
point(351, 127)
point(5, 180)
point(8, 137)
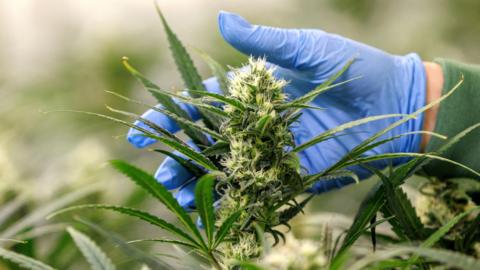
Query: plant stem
point(214, 261)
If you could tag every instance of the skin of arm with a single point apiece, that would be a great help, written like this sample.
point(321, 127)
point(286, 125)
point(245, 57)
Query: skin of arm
point(434, 91)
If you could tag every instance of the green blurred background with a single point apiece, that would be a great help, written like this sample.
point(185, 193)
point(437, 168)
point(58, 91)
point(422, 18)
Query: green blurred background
point(64, 54)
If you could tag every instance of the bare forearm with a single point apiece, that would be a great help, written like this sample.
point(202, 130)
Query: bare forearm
point(434, 91)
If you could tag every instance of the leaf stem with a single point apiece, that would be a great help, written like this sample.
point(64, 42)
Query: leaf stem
point(214, 261)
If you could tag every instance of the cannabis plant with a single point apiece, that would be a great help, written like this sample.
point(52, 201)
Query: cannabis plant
point(248, 170)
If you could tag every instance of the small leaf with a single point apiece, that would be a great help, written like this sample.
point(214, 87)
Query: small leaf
point(438, 234)
point(169, 241)
point(263, 123)
point(180, 147)
point(405, 119)
point(134, 213)
point(168, 103)
point(128, 250)
point(326, 135)
point(150, 124)
point(180, 120)
point(220, 147)
point(249, 266)
point(94, 255)
point(224, 229)
point(294, 210)
point(324, 86)
point(218, 71)
point(204, 203)
point(196, 102)
point(400, 155)
point(187, 69)
point(150, 184)
point(220, 98)
point(448, 258)
point(186, 163)
point(311, 179)
point(23, 261)
point(368, 209)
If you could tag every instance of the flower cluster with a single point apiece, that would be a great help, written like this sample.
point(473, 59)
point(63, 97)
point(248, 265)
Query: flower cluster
point(260, 173)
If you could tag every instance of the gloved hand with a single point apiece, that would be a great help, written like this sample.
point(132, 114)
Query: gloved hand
point(389, 84)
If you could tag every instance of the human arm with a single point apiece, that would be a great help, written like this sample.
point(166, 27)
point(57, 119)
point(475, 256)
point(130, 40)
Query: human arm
point(457, 113)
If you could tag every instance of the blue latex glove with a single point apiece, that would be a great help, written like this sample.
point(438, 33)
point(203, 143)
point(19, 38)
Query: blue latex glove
point(389, 84)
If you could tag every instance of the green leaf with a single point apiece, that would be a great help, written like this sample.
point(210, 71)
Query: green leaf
point(220, 147)
point(38, 215)
point(196, 102)
point(291, 212)
point(130, 251)
point(368, 209)
point(187, 69)
point(218, 71)
point(204, 203)
point(399, 155)
point(180, 147)
point(399, 205)
point(167, 103)
point(311, 179)
point(220, 98)
point(150, 124)
point(446, 257)
point(359, 149)
point(263, 123)
point(134, 213)
point(169, 241)
point(301, 106)
point(23, 261)
point(438, 234)
point(183, 61)
point(180, 120)
point(94, 255)
point(442, 231)
point(224, 229)
point(186, 163)
point(308, 97)
point(249, 266)
point(150, 184)
point(327, 134)
point(192, 154)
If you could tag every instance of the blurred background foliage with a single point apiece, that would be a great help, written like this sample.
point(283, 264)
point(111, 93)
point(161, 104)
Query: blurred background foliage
point(63, 54)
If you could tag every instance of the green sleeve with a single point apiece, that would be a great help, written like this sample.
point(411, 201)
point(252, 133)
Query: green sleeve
point(458, 112)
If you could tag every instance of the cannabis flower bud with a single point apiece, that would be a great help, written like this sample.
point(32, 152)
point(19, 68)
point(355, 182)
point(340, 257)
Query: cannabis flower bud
point(259, 171)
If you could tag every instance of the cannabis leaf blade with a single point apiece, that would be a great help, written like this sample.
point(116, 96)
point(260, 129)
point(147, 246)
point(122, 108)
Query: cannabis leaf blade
point(23, 261)
point(169, 241)
point(327, 134)
point(168, 103)
point(154, 220)
point(187, 69)
point(204, 204)
point(220, 98)
point(218, 71)
point(438, 234)
point(186, 163)
point(224, 229)
point(94, 255)
point(150, 184)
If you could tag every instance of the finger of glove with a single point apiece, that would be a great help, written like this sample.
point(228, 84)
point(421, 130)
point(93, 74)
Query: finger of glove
point(289, 48)
point(172, 174)
point(139, 140)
